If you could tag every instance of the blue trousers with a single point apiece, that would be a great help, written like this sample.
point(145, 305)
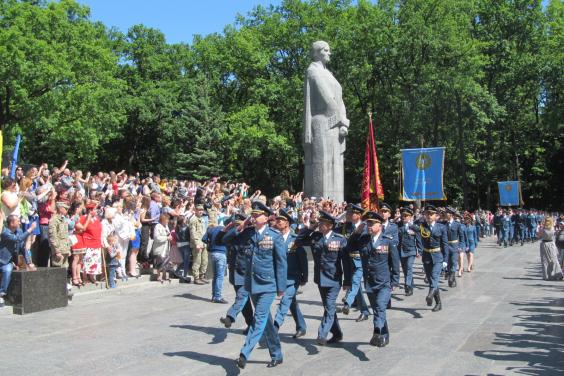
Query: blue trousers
point(433, 263)
point(452, 260)
point(219, 265)
point(329, 321)
point(112, 271)
point(504, 236)
point(532, 232)
point(407, 267)
point(262, 324)
point(379, 299)
point(242, 303)
point(355, 292)
point(6, 276)
point(511, 234)
point(289, 302)
point(395, 268)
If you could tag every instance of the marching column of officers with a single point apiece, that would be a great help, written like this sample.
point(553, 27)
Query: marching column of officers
point(367, 252)
point(516, 226)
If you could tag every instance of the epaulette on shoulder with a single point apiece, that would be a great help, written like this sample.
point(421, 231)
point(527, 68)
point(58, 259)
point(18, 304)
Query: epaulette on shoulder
point(338, 235)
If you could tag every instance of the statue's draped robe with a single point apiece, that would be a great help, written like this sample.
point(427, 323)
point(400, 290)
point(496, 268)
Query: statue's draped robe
point(324, 149)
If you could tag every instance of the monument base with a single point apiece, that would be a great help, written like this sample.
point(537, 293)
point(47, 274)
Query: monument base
point(38, 291)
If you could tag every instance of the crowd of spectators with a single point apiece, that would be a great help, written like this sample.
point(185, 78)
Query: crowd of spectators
point(108, 227)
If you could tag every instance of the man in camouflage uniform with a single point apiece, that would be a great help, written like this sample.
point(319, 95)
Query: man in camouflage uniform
point(199, 251)
point(59, 236)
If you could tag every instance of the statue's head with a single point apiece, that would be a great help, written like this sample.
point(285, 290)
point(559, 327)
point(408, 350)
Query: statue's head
point(320, 51)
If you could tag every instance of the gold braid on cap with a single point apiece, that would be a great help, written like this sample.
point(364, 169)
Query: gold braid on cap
point(424, 232)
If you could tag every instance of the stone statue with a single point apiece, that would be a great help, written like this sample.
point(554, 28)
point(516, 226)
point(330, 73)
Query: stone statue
point(325, 128)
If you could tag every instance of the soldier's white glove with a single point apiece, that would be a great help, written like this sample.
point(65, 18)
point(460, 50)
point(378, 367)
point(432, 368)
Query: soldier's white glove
point(444, 264)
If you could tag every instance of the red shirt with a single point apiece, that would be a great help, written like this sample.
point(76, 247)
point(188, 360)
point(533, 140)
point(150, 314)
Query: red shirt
point(92, 235)
point(46, 211)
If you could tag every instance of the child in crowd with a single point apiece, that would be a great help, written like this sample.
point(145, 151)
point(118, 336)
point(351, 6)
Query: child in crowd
point(114, 255)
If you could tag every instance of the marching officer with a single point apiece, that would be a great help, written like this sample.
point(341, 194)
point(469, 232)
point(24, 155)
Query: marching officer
point(328, 249)
point(505, 228)
point(297, 275)
point(455, 235)
point(354, 293)
point(410, 246)
point(237, 250)
point(374, 248)
point(435, 241)
point(521, 223)
point(391, 229)
point(265, 279)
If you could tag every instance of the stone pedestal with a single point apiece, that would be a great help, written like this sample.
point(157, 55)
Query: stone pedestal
point(37, 291)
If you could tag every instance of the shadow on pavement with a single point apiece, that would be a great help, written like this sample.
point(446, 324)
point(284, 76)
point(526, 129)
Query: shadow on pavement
point(228, 364)
point(219, 334)
point(193, 297)
point(540, 346)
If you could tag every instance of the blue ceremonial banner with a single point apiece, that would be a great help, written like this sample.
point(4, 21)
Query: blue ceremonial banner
point(15, 157)
point(422, 174)
point(509, 193)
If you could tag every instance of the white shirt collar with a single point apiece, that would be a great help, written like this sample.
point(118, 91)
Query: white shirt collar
point(261, 231)
point(328, 235)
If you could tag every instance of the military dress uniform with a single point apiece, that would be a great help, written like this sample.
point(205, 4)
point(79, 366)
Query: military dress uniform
point(532, 225)
point(391, 229)
point(455, 235)
point(410, 246)
point(297, 275)
point(353, 259)
point(238, 249)
point(376, 259)
point(265, 277)
point(434, 238)
point(328, 251)
point(505, 228)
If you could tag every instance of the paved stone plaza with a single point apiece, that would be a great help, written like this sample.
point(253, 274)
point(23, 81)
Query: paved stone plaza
point(501, 319)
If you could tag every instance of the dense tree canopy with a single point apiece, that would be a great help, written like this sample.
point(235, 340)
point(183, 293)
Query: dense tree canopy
point(481, 77)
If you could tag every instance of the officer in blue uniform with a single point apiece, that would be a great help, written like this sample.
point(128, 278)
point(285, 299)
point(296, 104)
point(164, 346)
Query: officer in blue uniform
point(410, 246)
point(532, 225)
point(505, 228)
point(520, 225)
point(354, 293)
point(328, 249)
point(391, 229)
point(513, 223)
point(237, 250)
point(463, 245)
point(455, 234)
point(265, 279)
point(297, 275)
point(435, 241)
point(374, 248)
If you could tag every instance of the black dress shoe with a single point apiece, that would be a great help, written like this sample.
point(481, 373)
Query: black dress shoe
point(335, 339)
point(321, 341)
point(429, 298)
point(299, 333)
point(453, 283)
point(379, 340)
point(226, 321)
point(408, 291)
point(246, 331)
point(241, 361)
point(438, 304)
point(220, 301)
point(362, 317)
point(346, 309)
point(274, 362)
point(389, 306)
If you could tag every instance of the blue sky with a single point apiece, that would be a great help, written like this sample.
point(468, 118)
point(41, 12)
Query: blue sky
point(179, 20)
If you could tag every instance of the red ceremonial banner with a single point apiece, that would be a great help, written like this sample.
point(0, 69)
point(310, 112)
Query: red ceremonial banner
point(372, 189)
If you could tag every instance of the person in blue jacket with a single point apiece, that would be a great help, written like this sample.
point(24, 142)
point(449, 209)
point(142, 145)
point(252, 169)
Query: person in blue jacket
point(297, 275)
point(217, 251)
point(354, 293)
point(374, 248)
point(410, 246)
point(434, 238)
point(328, 249)
point(237, 250)
point(265, 279)
point(471, 241)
